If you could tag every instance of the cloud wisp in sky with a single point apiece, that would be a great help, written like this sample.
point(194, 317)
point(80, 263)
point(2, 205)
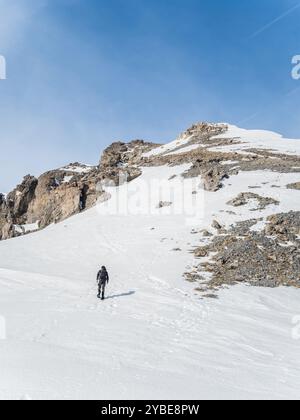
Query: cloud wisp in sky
point(275, 20)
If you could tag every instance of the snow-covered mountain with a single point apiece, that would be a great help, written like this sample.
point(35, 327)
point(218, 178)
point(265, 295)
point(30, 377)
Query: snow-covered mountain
point(176, 225)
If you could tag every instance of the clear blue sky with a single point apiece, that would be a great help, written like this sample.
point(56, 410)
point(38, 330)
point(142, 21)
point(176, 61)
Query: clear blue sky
point(83, 73)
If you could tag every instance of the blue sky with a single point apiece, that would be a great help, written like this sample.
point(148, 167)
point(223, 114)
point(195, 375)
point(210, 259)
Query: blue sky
point(84, 73)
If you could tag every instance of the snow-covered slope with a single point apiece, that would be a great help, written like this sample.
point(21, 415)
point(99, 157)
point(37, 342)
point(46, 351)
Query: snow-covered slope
point(259, 139)
point(153, 338)
point(246, 139)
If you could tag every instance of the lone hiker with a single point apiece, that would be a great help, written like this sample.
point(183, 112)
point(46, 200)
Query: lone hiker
point(102, 279)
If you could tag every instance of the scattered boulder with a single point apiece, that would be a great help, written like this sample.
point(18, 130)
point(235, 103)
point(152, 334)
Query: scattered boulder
point(163, 204)
point(244, 198)
point(121, 154)
point(212, 179)
point(210, 296)
point(216, 225)
point(206, 233)
point(212, 174)
point(201, 252)
point(295, 186)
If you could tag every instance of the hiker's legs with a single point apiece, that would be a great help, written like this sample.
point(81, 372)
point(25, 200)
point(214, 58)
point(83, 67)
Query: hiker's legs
point(103, 291)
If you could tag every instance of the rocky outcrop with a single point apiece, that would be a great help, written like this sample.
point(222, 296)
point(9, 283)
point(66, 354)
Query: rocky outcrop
point(213, 166)
point(3, 214)
point(260, 202)
point(13, 208)
point(203, 129)
point(19, 199)
point(121, 162)
point(212, 179)
point(295, 186)
point(122, 155)
point(212, 174)
point(61, 193)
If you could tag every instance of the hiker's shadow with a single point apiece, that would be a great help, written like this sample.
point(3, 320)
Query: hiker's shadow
point(121, 295)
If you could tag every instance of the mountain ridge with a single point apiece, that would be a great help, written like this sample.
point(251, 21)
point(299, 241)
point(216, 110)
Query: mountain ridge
point(215, 153)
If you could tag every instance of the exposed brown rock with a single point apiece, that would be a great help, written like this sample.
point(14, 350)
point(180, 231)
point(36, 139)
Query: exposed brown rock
point(244, 198)
point(216, 225)
point(284, 225)
point(163, 204)
point(121, 154)
point(211, 172)
point(295, 186)
point(19, 199)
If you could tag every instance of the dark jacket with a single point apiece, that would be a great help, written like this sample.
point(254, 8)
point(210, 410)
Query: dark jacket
point(103, 277)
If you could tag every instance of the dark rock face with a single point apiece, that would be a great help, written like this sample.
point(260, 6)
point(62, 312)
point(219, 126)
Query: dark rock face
point(14, 208)
point(3, 214)
point(2, 199)
point(19, 199)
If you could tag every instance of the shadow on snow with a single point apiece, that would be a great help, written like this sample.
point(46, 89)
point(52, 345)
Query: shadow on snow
point(121, 295)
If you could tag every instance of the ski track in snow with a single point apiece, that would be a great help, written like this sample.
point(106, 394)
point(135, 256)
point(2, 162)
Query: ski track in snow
point(153, 338)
